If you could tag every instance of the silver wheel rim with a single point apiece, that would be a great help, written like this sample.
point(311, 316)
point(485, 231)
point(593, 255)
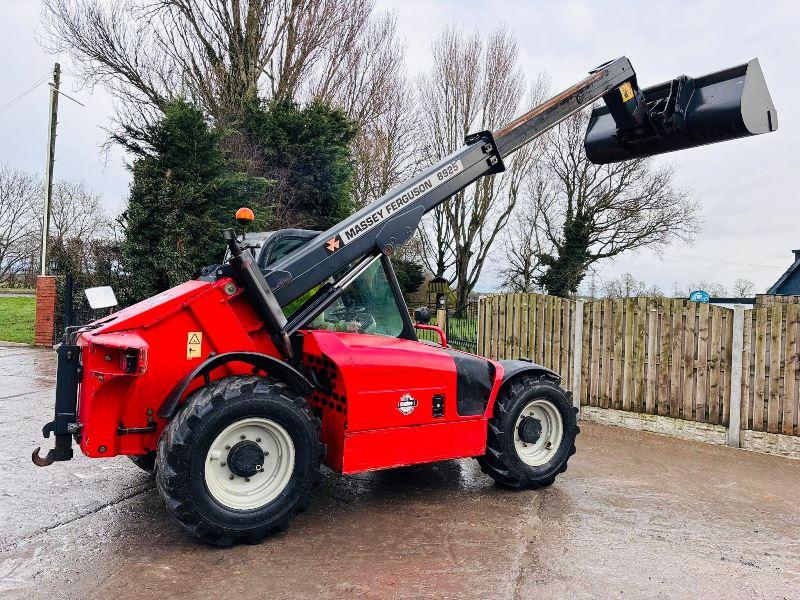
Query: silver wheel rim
point(247, 493)
point(543, 449)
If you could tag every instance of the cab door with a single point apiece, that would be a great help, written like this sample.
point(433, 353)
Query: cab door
point(400, 394)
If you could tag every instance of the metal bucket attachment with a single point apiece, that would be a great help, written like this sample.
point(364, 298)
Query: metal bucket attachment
point(682, 113)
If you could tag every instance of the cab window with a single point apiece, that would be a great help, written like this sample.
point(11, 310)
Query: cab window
point(280, 250)
point(367, 305)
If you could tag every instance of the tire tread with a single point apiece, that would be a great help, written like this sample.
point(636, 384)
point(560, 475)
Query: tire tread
point(173, 450)
point(496, 463)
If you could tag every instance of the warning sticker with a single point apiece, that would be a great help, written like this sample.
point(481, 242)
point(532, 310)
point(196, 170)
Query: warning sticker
point(194, 341)
point(626, 91)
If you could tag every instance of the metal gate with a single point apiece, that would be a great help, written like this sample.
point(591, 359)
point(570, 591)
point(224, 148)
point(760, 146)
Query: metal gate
point(74, 307)
point(462, 327)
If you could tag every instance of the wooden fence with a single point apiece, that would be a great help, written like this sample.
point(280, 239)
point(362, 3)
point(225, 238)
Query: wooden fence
point(528, 325)
point(660, 356)
point(770, 369)
point(665, 357)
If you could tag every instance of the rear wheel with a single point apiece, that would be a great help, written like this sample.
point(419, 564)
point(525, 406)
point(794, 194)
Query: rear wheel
point(532, 433)
point(239, 460)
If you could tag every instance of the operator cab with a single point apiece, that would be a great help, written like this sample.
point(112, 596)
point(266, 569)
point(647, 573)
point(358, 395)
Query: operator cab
point(370, 302)
point(268, 247)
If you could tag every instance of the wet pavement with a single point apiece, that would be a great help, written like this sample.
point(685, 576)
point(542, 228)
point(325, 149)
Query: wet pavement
point(636, 515)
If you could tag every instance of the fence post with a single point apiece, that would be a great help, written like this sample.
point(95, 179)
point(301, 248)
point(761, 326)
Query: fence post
point(650, 384)
point(441, 311)
point(45, 310)
point(479, 334)
point(734, 422)
point(577, 355)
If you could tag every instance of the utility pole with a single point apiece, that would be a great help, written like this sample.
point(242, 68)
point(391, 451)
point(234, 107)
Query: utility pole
point(51, 156)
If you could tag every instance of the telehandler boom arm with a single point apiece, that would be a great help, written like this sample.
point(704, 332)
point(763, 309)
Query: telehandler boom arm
point(392, 219)
point(687, 112)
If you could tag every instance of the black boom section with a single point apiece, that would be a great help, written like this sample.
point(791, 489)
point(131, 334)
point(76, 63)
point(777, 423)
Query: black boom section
point(475, 378)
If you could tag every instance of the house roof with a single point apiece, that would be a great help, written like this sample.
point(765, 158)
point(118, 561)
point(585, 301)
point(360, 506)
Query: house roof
point(794, 267)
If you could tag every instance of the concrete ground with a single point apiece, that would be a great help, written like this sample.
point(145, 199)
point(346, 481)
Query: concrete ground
point(637, 515)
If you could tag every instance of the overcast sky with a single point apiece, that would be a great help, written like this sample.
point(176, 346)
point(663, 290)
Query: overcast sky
point(747, 188)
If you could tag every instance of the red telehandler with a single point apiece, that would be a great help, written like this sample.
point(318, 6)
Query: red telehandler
point(236, 387)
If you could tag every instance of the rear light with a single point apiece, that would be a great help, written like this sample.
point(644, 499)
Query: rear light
point(130, 361)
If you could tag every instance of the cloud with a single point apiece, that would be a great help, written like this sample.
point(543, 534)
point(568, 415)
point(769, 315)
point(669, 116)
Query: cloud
point(746, 187)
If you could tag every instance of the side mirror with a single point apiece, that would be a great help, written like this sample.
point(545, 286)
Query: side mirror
point(101, 297)
point(422, 315)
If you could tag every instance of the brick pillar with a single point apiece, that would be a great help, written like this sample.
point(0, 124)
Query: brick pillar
point(45, 310)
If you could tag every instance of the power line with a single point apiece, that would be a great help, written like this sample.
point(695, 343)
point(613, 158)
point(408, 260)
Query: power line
point(10, 103)
point(73, 99)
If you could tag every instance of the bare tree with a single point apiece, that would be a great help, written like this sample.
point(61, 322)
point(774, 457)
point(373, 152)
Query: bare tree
point(626, 286)
point(386, 149)
point(19, 193)
point(375, 93)
point(473, 85)
point(221, 53)
point(587, 213)
point(654, 292)
point(591, 286)
point(684, 290)
point(77, 212)
point(743, 288)
point(77, 219)
point(522, 245)
point(78, 227)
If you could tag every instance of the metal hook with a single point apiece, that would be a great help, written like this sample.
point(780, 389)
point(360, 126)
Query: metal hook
point(43, 462)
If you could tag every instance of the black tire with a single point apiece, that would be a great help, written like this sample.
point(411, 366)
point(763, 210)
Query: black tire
point(182, 450)
point(146, 462)
point(501, 461)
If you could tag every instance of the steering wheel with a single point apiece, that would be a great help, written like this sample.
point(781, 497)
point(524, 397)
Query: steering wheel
point(352, 313)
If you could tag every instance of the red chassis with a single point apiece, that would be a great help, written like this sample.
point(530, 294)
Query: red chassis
point(368, 376)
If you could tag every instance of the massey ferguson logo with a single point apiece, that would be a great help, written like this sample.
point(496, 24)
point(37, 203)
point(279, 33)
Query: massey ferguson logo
point(332, 245)
point(407, 404)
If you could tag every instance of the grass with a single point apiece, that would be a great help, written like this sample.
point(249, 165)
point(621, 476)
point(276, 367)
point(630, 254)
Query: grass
point(16, 319)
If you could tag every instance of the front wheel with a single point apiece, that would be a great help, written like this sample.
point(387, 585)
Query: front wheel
point(239, 460)
point(532, 433)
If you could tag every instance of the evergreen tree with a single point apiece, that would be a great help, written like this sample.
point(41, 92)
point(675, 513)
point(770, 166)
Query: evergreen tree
point(306, 151)
point(185, 190)
point(410, 275)
point(181, 198)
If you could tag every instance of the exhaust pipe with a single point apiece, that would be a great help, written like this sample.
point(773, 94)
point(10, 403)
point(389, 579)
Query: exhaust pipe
point(682, 113)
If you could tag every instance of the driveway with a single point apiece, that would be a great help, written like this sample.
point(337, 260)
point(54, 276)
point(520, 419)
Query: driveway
point(637, 515)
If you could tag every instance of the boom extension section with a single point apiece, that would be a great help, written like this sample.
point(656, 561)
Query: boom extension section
point(392, 219)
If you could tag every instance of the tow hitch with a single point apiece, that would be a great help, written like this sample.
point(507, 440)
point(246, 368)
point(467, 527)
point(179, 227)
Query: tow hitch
point(64, 425)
